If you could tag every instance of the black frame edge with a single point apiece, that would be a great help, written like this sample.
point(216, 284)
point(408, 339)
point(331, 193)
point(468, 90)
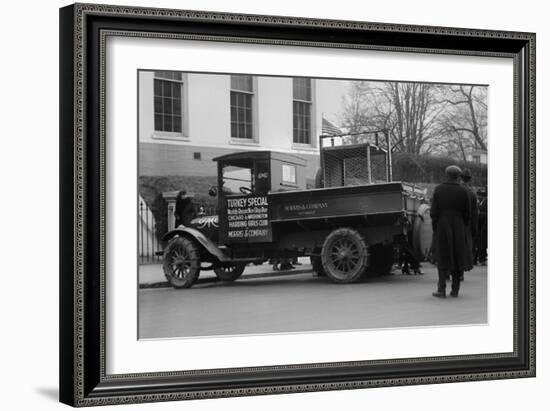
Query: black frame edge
point(98, 391)
point(66, 203)
point(92, 219)
point(529, 200)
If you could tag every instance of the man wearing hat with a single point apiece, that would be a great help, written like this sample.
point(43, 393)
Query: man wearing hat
point(471, 232)
point(450, 212)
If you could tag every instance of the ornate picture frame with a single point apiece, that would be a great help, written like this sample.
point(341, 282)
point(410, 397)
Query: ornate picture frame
point(84, 30)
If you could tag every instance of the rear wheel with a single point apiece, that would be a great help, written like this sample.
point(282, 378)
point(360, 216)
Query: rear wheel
point(181, 264)
point(344, 255)
point(229, 273)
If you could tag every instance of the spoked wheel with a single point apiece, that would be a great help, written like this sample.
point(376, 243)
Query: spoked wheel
point(229, 273)
point(344, 255)
point(181, 262)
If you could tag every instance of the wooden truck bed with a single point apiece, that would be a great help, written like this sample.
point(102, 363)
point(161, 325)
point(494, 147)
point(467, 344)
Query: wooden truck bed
point(370, 199)
point(250, 218)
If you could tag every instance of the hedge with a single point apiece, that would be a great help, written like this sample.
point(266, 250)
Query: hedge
point(431, 169)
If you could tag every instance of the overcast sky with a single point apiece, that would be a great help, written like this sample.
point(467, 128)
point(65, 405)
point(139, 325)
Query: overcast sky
point(329, 98)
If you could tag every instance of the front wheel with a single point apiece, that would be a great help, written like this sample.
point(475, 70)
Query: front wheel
point(344, 255)
point(229, 273)
point(181, 263)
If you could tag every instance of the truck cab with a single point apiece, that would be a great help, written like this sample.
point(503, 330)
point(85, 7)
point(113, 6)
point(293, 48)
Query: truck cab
point(244, 181)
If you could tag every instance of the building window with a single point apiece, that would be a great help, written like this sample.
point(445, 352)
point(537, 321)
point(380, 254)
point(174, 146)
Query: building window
point(302, 103)
point(196, 156)
point(476, 158)
point(242, 93)
point(168, 108)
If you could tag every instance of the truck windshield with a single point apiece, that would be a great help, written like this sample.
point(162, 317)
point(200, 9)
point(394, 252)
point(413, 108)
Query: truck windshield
point(237, 180)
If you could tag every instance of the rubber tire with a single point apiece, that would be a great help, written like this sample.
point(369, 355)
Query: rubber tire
point(192, 249)
point(236, 272)
point(381, 260)
point(357, 239)
point(317, 266)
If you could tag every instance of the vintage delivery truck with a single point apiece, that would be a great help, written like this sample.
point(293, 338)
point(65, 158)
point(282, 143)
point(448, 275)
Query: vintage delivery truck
point(350, 225)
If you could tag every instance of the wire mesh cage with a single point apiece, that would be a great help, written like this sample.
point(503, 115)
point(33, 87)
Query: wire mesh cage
point(379, 165)
point(346, 164)
point(355, 171)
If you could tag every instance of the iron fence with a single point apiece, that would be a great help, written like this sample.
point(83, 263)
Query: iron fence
point(148, 242)
point(149, 245)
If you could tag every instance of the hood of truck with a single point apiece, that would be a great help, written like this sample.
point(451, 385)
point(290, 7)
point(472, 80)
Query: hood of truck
point(205, 222)
point(208, 225)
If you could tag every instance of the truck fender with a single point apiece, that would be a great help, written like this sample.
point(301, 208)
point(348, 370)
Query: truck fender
point(200, 238)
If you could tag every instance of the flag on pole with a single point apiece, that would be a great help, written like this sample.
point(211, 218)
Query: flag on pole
point(329, 129)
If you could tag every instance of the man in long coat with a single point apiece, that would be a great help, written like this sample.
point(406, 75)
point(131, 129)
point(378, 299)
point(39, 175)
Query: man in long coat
point(450, 214)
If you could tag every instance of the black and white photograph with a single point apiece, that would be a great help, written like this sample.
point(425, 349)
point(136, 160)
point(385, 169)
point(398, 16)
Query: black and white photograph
point(243, 205)
point(275, 204)
point(257, 205)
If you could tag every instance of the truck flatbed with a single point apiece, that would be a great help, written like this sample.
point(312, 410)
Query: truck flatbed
point(385, 198)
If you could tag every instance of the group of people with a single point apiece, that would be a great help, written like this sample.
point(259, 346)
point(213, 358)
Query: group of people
point(459, 222)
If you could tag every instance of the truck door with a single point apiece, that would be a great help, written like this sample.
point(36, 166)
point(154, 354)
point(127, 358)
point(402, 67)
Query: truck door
point(244, 215)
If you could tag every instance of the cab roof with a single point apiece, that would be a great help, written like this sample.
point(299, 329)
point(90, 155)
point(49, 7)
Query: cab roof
point(245, 156)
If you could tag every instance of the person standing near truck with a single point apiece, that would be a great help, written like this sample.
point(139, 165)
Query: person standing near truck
point(184, 212)
point(450, 212)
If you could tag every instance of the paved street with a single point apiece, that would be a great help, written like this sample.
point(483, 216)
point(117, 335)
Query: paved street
point(301, 302)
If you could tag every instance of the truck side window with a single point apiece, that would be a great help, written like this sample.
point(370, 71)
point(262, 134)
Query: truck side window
point(289, 174)
point(237, 180)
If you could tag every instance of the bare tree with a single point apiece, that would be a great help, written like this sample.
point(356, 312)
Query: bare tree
point(466, 117)
point(360, 109)
point(415, 115)
point(406, 110)
point(421, 118)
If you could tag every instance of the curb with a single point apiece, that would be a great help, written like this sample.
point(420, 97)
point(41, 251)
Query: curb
point(165, 284)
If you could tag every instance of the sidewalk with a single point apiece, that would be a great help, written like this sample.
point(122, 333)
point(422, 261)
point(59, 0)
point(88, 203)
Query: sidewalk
point(152, 276)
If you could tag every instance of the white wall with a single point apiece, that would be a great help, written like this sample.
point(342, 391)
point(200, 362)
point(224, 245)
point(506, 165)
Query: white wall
point(275, 113)
point(207, 114)
point(208, 110)
point(29, 158)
